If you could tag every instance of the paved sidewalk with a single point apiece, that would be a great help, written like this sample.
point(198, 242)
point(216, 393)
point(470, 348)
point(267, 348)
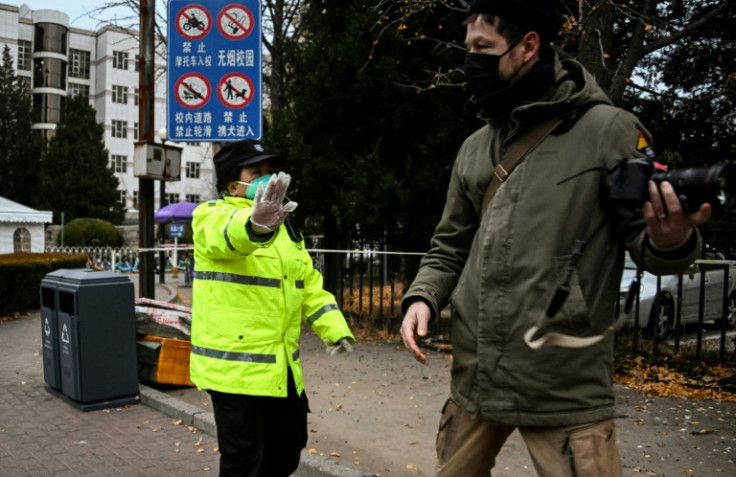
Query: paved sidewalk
point(374, 412)
point(42, 435)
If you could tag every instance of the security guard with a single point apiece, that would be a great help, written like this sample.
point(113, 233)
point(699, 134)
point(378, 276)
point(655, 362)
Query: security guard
point(254, 286)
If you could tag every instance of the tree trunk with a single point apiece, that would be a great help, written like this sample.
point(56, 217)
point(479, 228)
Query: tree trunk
point(596, 40)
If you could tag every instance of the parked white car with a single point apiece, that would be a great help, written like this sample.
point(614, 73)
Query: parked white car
point(657, 306)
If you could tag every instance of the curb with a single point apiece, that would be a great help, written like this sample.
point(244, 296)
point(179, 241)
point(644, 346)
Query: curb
point(310, 465)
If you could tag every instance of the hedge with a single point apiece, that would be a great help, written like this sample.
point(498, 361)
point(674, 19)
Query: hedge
point(21, 275)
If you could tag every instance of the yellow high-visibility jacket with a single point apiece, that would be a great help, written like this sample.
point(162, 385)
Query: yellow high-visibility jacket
point(249, 301)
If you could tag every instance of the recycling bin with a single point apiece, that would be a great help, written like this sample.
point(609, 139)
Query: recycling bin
point(49, 328)
point(95, 329)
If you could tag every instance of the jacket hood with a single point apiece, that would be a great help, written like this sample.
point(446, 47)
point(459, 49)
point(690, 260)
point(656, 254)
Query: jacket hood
point(575, 88)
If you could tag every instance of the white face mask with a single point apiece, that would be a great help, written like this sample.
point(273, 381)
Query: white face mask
point(252, 186)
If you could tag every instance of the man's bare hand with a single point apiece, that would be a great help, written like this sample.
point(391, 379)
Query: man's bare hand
point(667, 224)
point(415, 325)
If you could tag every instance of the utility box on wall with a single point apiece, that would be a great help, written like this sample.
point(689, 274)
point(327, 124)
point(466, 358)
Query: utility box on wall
point(157, 161)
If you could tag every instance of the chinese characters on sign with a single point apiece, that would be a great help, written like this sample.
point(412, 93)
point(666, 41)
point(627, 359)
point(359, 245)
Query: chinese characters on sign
point(214, 70)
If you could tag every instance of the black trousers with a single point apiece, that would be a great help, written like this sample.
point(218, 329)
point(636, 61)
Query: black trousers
point(260, 436)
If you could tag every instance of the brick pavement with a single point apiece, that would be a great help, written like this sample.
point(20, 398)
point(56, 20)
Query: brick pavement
point(41, 435)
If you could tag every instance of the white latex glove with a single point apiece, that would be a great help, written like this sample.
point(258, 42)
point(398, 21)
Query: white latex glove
point(342, 346)
point(268, 211)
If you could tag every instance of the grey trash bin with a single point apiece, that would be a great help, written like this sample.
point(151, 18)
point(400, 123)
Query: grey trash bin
point(49, 328)
point(96, 340)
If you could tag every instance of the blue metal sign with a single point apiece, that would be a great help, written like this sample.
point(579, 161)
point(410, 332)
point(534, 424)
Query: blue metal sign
point(214, 70)
point(176, 230)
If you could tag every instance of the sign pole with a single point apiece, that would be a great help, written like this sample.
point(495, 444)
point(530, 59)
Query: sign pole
point(146, 78)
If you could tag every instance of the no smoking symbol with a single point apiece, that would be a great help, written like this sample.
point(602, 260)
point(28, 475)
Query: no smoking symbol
point(235, 22)
point(235, 90)
point(193, 22)
point(192, 90)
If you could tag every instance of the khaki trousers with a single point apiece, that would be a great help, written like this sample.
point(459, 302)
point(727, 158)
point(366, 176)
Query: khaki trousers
point(467, 447)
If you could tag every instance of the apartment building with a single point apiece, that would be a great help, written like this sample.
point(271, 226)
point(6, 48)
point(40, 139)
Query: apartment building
point(55, 60)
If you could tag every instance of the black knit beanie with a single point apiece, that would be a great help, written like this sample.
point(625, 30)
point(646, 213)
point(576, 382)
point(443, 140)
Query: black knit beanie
point(541, 16)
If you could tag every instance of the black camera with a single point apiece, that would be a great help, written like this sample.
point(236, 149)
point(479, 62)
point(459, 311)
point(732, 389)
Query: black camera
point(694, 186)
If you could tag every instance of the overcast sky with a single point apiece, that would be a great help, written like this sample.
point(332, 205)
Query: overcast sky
point(76, 9)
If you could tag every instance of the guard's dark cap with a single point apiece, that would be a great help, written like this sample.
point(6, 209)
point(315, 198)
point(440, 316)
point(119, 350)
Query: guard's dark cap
point(243, 153)
point(541, 16)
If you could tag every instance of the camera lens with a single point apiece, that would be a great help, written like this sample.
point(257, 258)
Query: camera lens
point(694, 186)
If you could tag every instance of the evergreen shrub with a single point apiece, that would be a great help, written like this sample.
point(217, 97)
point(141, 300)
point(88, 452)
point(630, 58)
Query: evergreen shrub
point(86, 232)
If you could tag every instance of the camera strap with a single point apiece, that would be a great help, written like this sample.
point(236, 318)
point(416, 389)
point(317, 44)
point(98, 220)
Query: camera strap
point(516, 152)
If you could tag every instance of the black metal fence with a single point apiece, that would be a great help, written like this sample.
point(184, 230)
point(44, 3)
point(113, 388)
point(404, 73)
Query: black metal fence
point(700, 311)
point(370, 285)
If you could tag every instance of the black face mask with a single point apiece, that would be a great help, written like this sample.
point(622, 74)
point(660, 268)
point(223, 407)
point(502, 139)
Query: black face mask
point(482, 74)
point(496, 97)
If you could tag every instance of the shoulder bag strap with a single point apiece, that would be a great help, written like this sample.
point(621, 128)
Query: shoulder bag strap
point(517, 151)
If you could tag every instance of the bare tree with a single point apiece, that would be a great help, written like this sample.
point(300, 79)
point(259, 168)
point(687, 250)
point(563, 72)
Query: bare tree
point(609, 37)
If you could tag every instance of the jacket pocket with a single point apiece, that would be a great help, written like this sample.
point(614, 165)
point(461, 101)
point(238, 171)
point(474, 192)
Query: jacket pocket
point(574, 314)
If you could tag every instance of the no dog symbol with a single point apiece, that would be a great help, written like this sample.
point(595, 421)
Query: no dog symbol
point(235, 90)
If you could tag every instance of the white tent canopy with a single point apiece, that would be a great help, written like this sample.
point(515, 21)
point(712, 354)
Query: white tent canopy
point(21, 227)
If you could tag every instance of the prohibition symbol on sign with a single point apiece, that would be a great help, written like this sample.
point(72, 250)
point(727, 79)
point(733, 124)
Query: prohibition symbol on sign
point(235, 90)
point(192, 90)
point(193, 22)
point(235, 22)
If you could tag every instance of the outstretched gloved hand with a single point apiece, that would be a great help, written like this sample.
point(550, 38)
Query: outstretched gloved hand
point(343, 345)
point(269, 211)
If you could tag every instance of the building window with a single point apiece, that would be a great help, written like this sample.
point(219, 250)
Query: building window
point(47, 108)
point(119, 94)
point(193, 170)
point(137, 62)
point(78, 90)
point(25, 55)
point(135, 199)
point(26, 81)
point(135, 97)
point(49, 73)
point(121, 197)
point(21, 240)
point(135, 131)
point(79, 64)
point(172, 198)
point(119, 128)
point(193, 198)
point(120, 60)
point(52, 38)
point(118, 163)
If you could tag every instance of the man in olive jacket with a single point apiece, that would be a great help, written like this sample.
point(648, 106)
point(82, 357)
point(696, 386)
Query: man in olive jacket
point(500, 266)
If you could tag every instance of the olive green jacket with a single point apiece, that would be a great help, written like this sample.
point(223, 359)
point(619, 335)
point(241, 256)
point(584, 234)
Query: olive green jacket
point(500, 272)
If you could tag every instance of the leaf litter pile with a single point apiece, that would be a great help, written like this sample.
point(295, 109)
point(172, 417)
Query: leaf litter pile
point(687, 379)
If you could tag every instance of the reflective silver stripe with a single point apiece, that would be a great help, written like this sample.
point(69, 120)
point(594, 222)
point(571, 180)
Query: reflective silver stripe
point(234, 356)
point(295, 355)
point(227, 239)
point(321, 312)
point(239, 279)
point(300, 283)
